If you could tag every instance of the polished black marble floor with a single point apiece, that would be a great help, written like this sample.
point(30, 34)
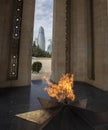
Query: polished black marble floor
point(24, 99)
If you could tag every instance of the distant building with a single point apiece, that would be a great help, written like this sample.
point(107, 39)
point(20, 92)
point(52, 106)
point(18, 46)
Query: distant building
point(36, 42)
point(49, 48)
point(41, 38)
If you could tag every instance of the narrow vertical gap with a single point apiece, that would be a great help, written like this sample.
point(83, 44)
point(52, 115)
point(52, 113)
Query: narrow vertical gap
point(42, 38)
point(91, 66)
point(68, 35)
point(92, 42)
point(107, 7)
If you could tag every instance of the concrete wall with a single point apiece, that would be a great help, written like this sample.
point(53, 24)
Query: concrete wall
point(100, 20)
point(59, 29)
point(78, 18)
point(79, 39)
point(24, 75)
point(5, 25)
point(87, 31)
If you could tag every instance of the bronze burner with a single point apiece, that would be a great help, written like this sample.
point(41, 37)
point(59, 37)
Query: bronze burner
point(70, 116)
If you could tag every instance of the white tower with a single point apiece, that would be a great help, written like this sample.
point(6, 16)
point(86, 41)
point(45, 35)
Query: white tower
point(49, 48)
point(41, 38)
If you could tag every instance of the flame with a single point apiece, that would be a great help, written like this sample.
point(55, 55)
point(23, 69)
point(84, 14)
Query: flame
point(63, 90)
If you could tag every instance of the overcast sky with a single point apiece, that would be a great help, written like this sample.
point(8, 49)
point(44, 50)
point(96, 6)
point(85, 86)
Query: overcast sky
point(43, 17)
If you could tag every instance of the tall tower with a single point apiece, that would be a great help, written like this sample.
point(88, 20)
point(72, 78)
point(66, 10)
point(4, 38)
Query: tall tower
point(41, 38)
point(49, 48)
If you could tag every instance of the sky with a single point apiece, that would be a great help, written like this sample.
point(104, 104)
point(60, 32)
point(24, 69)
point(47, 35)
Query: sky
point(43, 17)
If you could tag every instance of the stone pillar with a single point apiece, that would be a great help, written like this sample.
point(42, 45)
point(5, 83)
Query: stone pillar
point(6, 8)
point(59, 40)
point(79, 39)
point(100, 21)
point(24, 71)
point(24, 77)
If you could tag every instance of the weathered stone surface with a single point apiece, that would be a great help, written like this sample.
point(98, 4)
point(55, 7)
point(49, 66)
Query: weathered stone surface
point(84, 31)
point(24, 75)
point(88, 37)
point(59, 56)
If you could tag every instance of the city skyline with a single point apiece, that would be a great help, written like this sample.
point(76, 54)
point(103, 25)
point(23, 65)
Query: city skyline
point(40, 41)
point(43, 17)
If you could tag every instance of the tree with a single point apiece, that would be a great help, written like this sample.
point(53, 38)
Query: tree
point(36, 66)
point(37, 52)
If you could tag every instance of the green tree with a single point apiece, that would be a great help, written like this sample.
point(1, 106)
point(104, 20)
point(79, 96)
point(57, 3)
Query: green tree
point(37, 52)
point(36, 66)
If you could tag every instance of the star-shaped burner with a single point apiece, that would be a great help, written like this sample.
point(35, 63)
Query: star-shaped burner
point(66, 112)
point(73, 116)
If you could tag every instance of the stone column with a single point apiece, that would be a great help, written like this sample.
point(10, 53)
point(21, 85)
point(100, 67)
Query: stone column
point(24, 71)
point(59, 40)
point(79, 39)
point(24, 75)
point(6, 8)
point(100, 21)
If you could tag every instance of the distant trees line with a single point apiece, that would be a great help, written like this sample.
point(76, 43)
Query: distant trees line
point(37, 52)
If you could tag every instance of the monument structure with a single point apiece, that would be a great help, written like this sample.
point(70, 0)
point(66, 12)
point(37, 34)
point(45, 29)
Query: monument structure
point(80, 41)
